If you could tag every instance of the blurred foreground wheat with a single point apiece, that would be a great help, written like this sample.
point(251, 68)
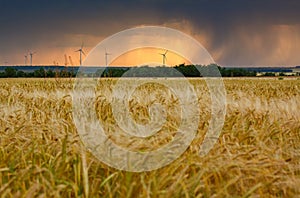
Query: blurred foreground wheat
point(257, 154)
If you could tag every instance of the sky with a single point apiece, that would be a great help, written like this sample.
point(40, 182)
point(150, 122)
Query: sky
point(234, 32)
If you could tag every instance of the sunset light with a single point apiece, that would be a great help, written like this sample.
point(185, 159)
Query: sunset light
point(151, 56)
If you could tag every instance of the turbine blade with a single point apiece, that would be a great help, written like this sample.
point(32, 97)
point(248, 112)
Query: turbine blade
point(166, 52)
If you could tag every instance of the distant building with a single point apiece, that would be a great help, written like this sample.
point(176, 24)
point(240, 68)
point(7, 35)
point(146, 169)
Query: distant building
point(290, 74)
point(297, 71)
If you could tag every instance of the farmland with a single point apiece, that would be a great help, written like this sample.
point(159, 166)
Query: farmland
point(257, 153)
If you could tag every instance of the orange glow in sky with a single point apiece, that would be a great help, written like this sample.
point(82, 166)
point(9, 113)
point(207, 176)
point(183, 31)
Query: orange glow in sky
point(149, 56)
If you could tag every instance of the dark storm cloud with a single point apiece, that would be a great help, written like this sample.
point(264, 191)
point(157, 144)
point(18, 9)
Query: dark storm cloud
point(228, 25)
point(64, 14)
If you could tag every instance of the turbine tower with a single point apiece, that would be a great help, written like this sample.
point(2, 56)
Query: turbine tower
point(80, 52)
point(106, 55)
point(66, 61)
point(26, 58)
point(71, 61)
point(164, 57)
point(31, 55)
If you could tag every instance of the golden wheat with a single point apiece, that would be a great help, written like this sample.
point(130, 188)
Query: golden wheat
point(257, 153)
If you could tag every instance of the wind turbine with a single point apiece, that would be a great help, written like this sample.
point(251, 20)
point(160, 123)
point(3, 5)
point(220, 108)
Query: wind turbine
point(31, 54)
point(80, 52)
point(66, 61)
point(71, 61)
point(106, 55)
point(164, 57)
point(26, 58)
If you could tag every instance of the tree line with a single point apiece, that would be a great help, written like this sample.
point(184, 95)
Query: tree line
point(145, 71)
point(10, 72)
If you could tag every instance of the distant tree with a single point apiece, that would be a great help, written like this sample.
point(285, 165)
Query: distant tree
point(64, 73)
point(99, 73)
point(39, 73)
point(50, 73)
point(188, 70)
point(2, 75)
point(10, 72)
point(117, 72)
point(21, 74)
point(269, 74)
point(236, 72)
point(29, 74)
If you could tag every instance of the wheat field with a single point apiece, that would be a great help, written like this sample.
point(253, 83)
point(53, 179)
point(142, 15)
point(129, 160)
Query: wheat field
point(256, 155)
